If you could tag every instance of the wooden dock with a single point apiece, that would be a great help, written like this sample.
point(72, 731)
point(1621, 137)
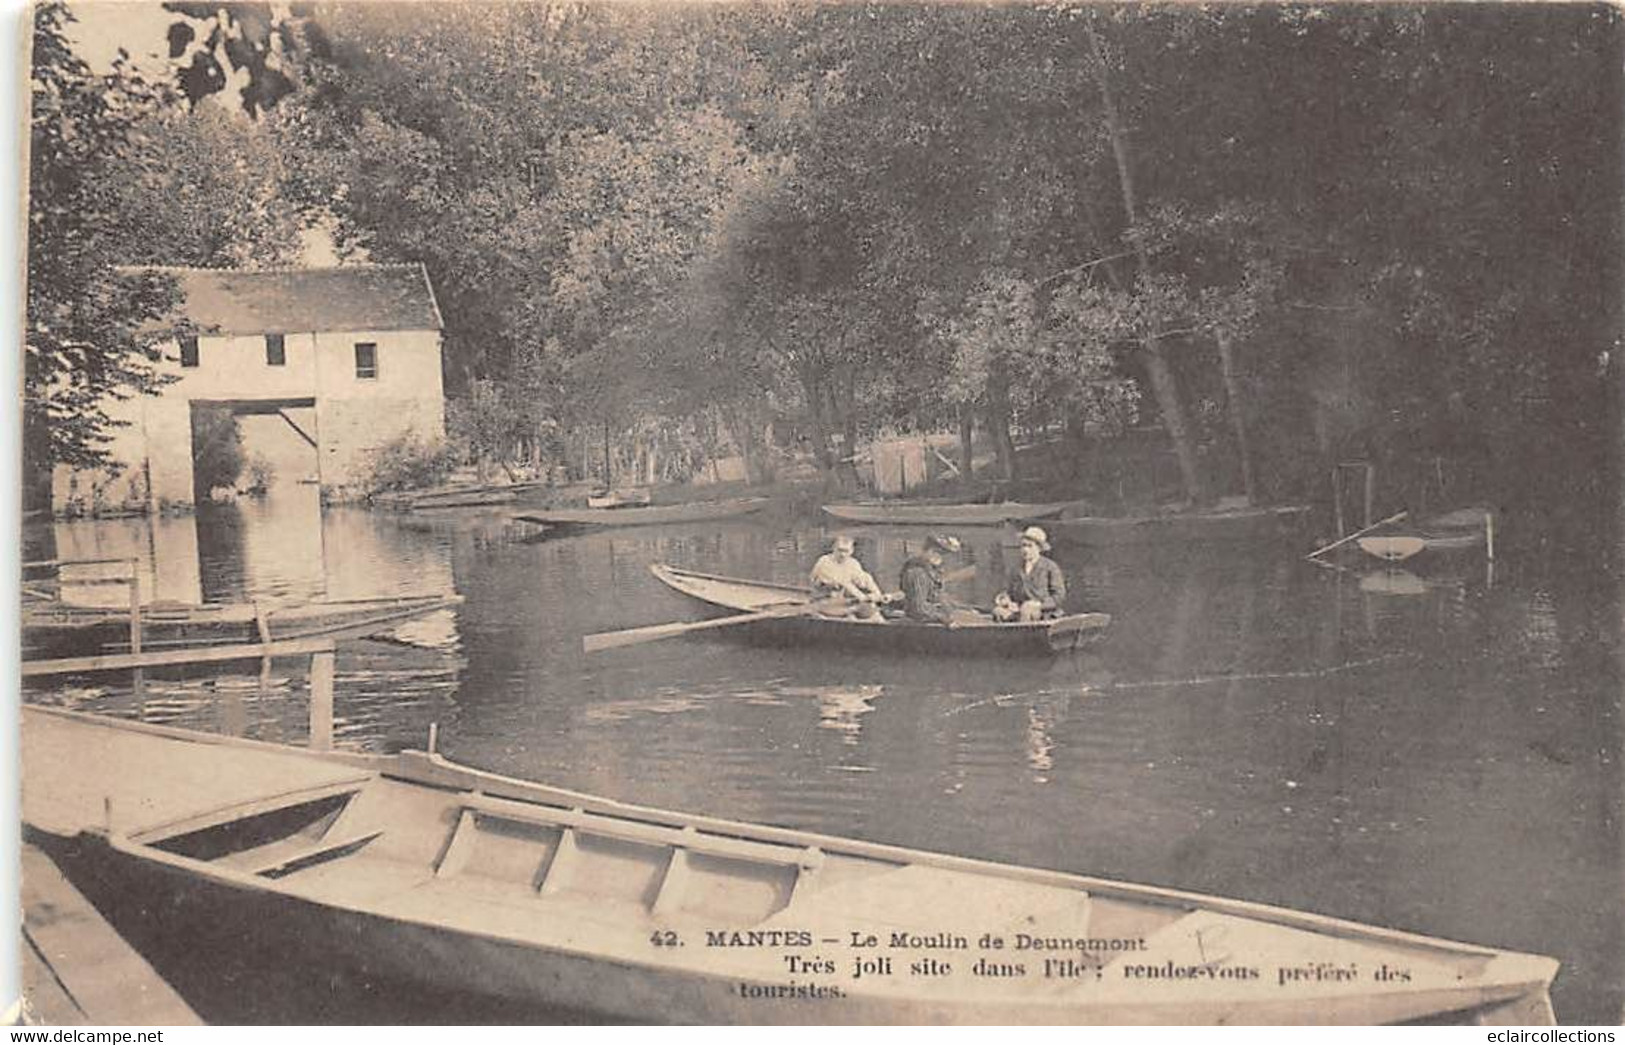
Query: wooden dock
point(75, 969)
point(83, 774)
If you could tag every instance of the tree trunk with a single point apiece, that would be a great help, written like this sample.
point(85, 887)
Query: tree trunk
point(818, 416)
point(1173, 419)
point(1238, 414)
point(967, 433)
point(743, 430)
point(1161, 375)
point(998, 423)
point(848, 470)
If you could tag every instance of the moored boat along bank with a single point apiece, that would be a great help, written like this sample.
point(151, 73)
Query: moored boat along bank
point(414, 869)
point(565, 520)
point(907, 513)
point(56, 628)
point(1283, 524)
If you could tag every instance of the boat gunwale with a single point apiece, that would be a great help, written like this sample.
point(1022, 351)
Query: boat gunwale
point(420, 768)
point(1527, 971)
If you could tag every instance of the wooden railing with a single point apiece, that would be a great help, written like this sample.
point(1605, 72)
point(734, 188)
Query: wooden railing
point(132, 580)
point(322, 651)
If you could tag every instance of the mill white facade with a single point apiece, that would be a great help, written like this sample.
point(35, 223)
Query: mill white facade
point(350, 357)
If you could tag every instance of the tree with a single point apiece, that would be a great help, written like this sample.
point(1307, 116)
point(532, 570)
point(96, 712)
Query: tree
point(217, 449)
point(261, 44)
point(207, 192)
point(1169, 404)
point(775, 207)
point(91, 329)
point(1225, 275)
point(1019, 351)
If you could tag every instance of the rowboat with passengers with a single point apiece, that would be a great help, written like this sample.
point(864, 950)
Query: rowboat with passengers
point(801, 622)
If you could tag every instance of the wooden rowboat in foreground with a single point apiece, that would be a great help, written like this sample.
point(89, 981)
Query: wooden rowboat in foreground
point(568, 519)
point(411, 869)
point(985, 638)
point(904, 513)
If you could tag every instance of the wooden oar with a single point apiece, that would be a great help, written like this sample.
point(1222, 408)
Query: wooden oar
point(655, 632)
point(1357, 533)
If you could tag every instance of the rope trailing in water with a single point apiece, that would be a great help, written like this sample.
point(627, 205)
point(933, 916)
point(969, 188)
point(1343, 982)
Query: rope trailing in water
point(1205, 680)
point(1307, 673)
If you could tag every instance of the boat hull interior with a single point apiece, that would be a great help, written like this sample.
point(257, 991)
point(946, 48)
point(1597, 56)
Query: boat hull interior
point(480, 885)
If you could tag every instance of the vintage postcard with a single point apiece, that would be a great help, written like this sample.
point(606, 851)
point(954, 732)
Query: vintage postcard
point(800, 513)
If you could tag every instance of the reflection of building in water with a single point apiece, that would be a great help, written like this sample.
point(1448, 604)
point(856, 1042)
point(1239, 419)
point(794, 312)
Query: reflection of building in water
point(368, 553)
point(165, 546)
point(282, 547)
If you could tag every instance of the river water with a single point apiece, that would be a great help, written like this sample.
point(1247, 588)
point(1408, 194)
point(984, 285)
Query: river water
point(1437, 750)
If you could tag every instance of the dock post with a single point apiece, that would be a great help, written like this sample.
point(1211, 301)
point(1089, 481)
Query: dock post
point(135, 606)
point(1370, 490)
point(321, 701)
point(1337, 498)
point(1489, 535)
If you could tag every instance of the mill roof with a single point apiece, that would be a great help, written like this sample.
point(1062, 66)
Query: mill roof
point(293, 300)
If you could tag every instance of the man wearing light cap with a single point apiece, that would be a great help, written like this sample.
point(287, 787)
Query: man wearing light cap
point(840, 573)
point(1036, 587)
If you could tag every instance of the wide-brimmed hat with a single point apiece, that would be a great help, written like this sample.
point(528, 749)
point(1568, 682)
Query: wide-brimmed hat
point(942, 542)
point(1037, 535)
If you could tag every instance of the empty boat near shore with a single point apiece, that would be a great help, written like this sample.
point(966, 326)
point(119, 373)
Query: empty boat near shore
point(567, 520)
point(412, 869)
point(55, 628)
point(1226, 525)
point(906, 513)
